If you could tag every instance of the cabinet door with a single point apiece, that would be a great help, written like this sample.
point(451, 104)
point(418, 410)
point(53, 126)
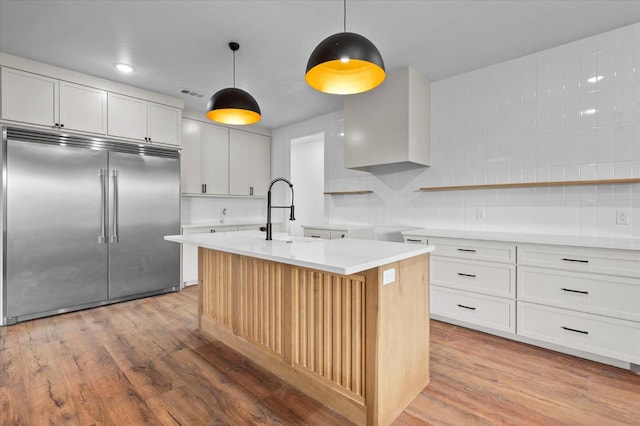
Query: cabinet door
point(249, 163)
point(215, 159)
point(83, 108)
point(29, 98)
point(239, 162)
point(191, 157)
point(260, 170)
point(164, 124)
point(127, 117)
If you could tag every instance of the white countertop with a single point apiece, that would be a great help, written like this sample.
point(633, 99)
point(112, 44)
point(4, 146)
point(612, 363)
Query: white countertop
point(342, 256)
point(337, 227)
point(213, 222)
point(562, 240)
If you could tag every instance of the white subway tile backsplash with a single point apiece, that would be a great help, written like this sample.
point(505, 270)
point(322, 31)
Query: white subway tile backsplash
point(572, 76)
point(572, 111)
point(624, 103)
point(604, 76)
point(623, 142)
point(604, 149)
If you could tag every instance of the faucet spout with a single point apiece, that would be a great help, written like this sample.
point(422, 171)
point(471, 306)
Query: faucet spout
point(269, 206)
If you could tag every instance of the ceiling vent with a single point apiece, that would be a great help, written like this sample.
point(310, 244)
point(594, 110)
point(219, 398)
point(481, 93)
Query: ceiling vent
point(190, 92)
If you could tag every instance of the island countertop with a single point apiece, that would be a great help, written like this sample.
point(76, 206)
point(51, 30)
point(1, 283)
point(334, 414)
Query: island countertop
point(341, 256)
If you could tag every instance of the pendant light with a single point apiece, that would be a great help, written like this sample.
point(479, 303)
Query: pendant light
point(345, 63)
point(233, 105)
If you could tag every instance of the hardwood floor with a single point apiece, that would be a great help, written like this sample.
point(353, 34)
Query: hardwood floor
point(143, 362)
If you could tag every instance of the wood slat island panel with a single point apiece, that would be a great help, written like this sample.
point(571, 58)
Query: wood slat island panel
point(328, 328)
point(352, 343)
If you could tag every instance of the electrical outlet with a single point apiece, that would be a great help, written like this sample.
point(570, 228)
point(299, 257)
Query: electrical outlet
point(622, 217)
point(480, 213)
point(388, 276)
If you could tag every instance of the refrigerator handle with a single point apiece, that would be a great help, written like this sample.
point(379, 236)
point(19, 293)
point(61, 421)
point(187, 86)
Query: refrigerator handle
point(114, 235)
point(102, 238)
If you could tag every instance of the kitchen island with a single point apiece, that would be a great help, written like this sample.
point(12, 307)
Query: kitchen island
point(345, 321)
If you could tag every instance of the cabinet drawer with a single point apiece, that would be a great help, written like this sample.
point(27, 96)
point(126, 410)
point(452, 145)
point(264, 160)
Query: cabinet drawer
point(496, 279)
point(411, 239)
point(604, 336)
point(581, 259)
point(486, 311)
point(494, 251)
point(617, 297)
point(317, 233)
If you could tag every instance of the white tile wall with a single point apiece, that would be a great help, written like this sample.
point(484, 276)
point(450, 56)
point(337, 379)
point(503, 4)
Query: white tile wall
point(571, 112)
point(209, 209)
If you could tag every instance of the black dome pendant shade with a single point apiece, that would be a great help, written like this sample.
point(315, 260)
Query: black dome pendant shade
point(233, 105)
point(344, 64)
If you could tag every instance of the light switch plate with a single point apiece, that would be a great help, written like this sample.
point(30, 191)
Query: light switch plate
point(388, 276)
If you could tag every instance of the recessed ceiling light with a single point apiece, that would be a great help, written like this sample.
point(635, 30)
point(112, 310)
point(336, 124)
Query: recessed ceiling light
point(124, 68)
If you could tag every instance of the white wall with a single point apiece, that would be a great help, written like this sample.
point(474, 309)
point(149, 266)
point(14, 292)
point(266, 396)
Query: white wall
point(307, 176)
point(535, 118)
point(329, 124)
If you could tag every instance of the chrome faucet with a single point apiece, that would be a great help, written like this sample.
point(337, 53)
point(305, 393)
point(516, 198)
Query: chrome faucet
point(269, 206)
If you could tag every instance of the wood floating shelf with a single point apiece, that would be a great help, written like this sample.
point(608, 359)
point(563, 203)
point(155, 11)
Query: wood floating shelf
point(347, 192)
point(531, 184)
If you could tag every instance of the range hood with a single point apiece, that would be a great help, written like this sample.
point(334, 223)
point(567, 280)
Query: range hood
point(390, 124)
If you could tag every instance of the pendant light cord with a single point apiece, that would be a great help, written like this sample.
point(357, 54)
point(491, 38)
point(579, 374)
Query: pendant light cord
point(345, 15)
point(234, 69)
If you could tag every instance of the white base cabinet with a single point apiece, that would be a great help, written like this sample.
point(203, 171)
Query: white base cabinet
point(584, 301)
point(190, 252)
point(596, 334)
point(485, 311)
point(474, 282)
point(335, 232)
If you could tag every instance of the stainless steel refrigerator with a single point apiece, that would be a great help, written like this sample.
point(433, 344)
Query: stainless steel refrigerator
point(84, 221)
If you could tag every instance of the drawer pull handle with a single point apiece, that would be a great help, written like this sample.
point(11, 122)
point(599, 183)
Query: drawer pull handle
point(574, 330)
point(467, 307)
point(466, 275)
point(575, 260)
point(467, 250)
point(413, 241)
point(574, 291)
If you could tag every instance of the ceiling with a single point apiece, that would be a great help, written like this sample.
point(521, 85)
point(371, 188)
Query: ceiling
point(184, 44)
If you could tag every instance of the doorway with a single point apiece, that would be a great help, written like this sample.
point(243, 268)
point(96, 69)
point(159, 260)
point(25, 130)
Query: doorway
point(307, 176)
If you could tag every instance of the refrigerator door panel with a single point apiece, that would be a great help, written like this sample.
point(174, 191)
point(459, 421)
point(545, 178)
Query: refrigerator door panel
point(145, 206)
point(55, 211)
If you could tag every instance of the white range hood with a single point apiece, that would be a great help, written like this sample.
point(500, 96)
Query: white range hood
point(389, 124)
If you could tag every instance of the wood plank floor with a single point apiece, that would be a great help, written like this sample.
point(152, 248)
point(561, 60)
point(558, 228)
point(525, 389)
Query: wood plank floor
point(143, 362)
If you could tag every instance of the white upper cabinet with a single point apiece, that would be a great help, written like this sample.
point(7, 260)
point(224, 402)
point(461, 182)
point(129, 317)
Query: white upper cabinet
point(28, 98)
point(127, 117)
point(83, 108)
point(205, 158)
point(250, 163)
point(34, 99)
point(191, 157)
point(215, 159)
point(163, 125)
point(138, 119)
